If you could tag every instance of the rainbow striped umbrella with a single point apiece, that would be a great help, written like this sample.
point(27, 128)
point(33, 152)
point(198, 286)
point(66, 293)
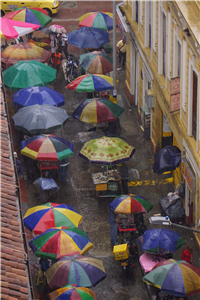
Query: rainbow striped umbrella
point(97, 111)
point(96, 62)
point(42, 217)
point(73, 292)
point(99, 19)
point(76, 269)
point(177, 278)
point(56, 242)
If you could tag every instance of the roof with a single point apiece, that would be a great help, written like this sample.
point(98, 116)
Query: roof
point(14, 276)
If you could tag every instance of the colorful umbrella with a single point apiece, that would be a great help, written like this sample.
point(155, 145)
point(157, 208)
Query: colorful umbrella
point(97, 111)
point(73, 292)
point(167, 159)
point(28, 73)
point(40, 118)
point(148, 261)
point(30, 15)
point(76, 269)
point(57, 242)
point(130, 204)
point(177, 278)
point(24, 51)
point(160, 240)
point(99, 19)
point(96, 62)
point(107, 151)
point(13, 29)
point(38, 95)
point(57, 29)
point(42, 217)
point(91, 83)
point(88, 37)
point(46, 147)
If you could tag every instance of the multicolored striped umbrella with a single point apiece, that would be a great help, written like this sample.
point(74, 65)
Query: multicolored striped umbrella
point(30, 15)
point(130, 204)
point(57, 29)
point(76, 269)
point(96, 111)
point(24, 51)
point(73, 292)
point(107, 151)
point(46, 147)
point(160, 241)
point(91, 83)
point(59, 241)
point(177, 278)
point(96, 62)
point(42, 217)
point(99, 19)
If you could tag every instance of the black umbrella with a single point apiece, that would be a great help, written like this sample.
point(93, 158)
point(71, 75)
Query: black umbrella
point(167, 159)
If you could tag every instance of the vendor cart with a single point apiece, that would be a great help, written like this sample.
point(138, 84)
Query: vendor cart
point(126, 227)
point(108, 184)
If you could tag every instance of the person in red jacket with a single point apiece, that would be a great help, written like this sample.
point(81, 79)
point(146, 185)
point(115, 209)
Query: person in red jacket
point(56, 60)
point(187, 255)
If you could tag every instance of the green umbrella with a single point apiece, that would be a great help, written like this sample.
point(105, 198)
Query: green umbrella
point(28, 73)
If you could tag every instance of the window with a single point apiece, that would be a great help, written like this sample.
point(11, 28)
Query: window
point(164, 45)
point(194, 105)
point(169, 46)
point(141, 12)
point(137, 11)
point(183, 83)
point(161, 40)
point(147, 33)
point(154, 25)
point(176, 55)
point(149, 24)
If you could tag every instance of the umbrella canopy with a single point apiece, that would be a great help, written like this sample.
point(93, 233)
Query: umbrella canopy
point(161, 241)
point(76, 269)
point(57, 242)
point(46, 147)
point(57, 29)
point(130, 204)
point(72, 292)
point(97, 111)
point(96, 62)
point(46, 30)
point(28, 73)
point(88, 37)
point(13, 29)
point(177, 278)
point(107, 151)
point(91, 83)
point(30, 15)
point(148, 261)
point(46, 184)
point(40, 118)
point(98, 19)
point(167, 159)
point(42, 217)
point(24, 51)
point(38, 95)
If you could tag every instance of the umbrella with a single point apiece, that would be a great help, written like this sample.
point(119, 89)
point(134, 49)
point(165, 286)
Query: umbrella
point(160, 241)
point(13, 29)
point(46, 184)
point(24, 51)
point(177, 278)
point(46, 147)
point(91, 83)
point(38, 95)
point(28, 73)
point(56, 242)
point(40, 118)
point(72, 292)
point(42, 217)
point(107, 151)
point(57, 29)
point(96, 62)
point(76, 269)
point(130, 204)
point(148, 261)
point(98, 19)
point(46, 30)
point(30, 15)
point(88, 37)
point(97, 111)
point(167, 159)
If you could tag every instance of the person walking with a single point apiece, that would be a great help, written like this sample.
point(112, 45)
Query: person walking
point(187, 255)
point(124, 177)
point(113, 226)
point(121, 50)
point(56, 60)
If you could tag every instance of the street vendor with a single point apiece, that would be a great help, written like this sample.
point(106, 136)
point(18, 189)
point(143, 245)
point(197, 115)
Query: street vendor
point(113, 226)
point(124, 176)
point(56, 60)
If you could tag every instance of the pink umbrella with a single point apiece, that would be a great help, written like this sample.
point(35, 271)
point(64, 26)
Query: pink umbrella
point(13, 29)
point(148, 261)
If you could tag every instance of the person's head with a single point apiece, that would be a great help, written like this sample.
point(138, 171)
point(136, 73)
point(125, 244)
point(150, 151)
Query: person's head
point(189, 248)
point(123, 41)
point(57, 50)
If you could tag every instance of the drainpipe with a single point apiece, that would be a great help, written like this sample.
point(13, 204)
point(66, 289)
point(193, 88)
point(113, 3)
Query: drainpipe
point(114, 51)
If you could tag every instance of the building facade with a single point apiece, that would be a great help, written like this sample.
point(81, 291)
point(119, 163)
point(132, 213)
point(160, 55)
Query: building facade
point(162, 80)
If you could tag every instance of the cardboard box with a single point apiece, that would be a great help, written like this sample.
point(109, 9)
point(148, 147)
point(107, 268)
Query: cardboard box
point(121, 252)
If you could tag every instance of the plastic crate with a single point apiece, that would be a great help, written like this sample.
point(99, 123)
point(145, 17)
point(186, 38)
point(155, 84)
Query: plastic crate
point(101, 187)
point(121, 252)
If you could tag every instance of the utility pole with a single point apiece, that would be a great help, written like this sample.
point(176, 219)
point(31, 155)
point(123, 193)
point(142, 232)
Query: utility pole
point(114, 51)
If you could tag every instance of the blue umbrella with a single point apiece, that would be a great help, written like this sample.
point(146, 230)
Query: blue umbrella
point(88, 37)
point(167, 159)
point(46, 184)
point(38, 95)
